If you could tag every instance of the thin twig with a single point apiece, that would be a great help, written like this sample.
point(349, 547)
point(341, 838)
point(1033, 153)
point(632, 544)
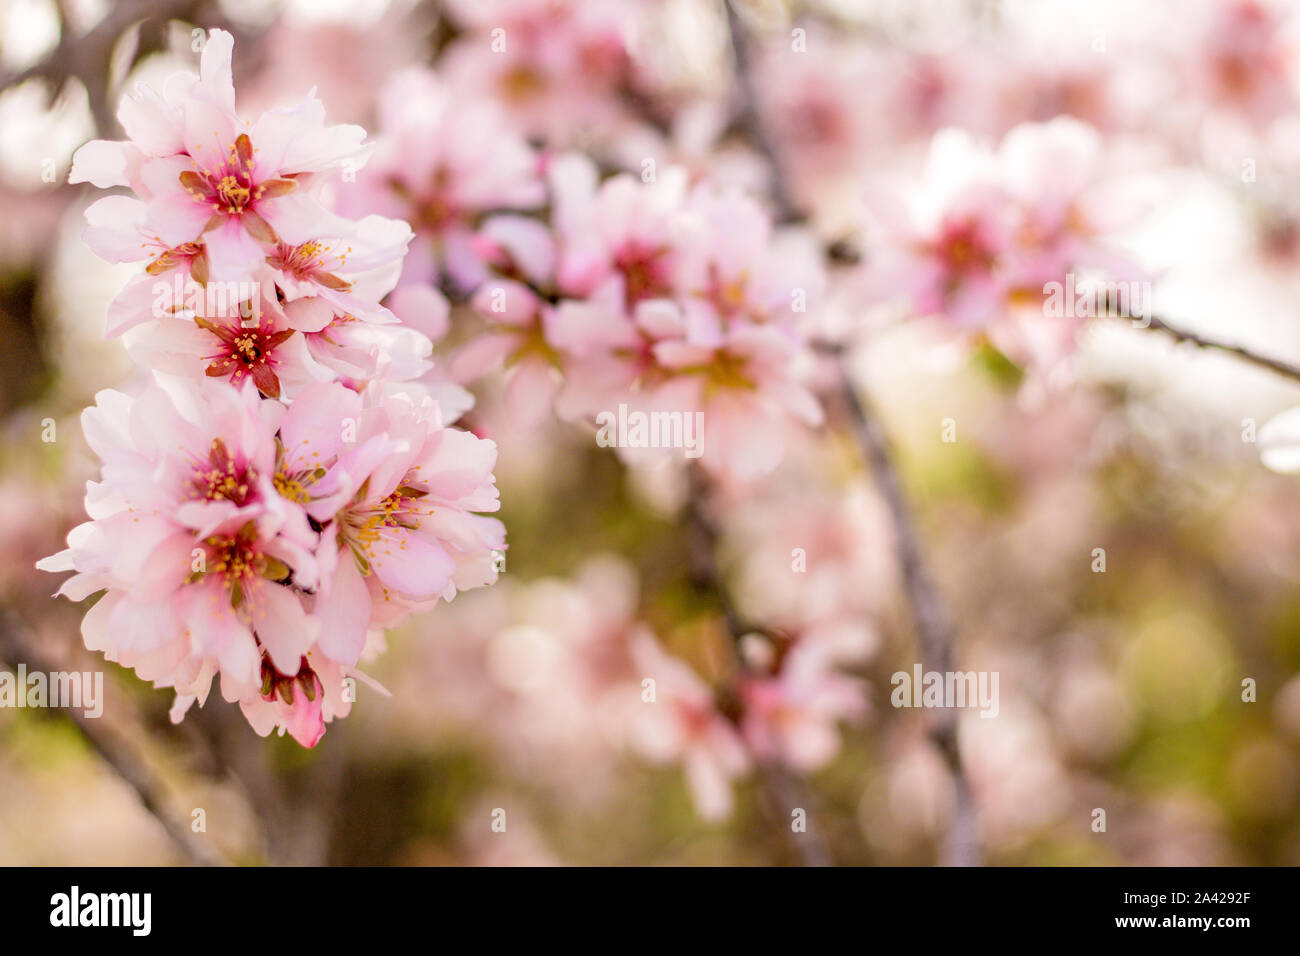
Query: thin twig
point(928, 609)
point(1240, 351)
point(86, 56)
point(703, 534)
point(749, 119)
point(119, 756)
point(782, 790)
point(785, 791)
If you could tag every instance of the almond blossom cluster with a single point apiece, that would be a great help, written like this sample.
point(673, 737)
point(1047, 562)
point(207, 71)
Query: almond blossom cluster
point(556, 66)
point(431, 169)
point(285, 484)
point(655, 295)
point(979, 239)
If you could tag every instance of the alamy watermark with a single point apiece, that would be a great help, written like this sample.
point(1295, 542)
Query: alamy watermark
point(131, 910)
point(67, 689)
point(639, 429)
point(947, 689)
point(214, 300)
point(1077, 298)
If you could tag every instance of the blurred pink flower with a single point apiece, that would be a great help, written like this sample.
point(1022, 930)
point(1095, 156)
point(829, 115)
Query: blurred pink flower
point(1052, 171)
point(682, 303)
point(1244, 59)
point(557, 66)
point(515, 337)
point(682, 725)
point(443, 162)
point(791, 716)
point(977, 242)
point(618, 238)
point(810, 553)
point(943, 244)
point(824, 109)
point(745, 391)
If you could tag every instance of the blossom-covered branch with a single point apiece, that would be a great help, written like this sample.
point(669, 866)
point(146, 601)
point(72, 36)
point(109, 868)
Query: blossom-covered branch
point(928, 609)
point(286, 484)
point(784, 792)
point(933, 622)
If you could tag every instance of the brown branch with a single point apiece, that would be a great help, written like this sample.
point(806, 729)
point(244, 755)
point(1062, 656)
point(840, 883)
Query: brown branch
point(782, 791)
point(703, 539)
point(294, 811)
point(87, 56)
point(1278, 366)
point(928, 609)
point(115, 752)
point(748, 117)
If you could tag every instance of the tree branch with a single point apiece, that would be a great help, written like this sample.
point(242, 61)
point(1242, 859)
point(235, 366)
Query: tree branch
point(782, 791)
point(1278, 366)
point(87, 56)
point(748, 118)
point(119, 756)
point(928, 609)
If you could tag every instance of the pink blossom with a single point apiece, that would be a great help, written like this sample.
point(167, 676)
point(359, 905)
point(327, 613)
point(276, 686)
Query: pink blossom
point(442, 163)
point(356, 349)
point(516, 314)
point(284, 489)
point(358, 342)
point(744, 388)
point(263, 349)
point(561, 663)
point(300, 703)
point(352, 273)
point(942, 245)
point(206, 175)
point(620, 234)
point(516, 337)
point(820, 110)
point(1053, 172)
point(237, 537)
point(682, 303)
point(606, 352)
point(116, 232)
point(812, 553)
point(791, 716)
point(734, 268)
point(1244, 58)
point(682, 724)
point(423, 311)
point(555, 65)
point(409, 535)
point(203, 563)
point(988, 230)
